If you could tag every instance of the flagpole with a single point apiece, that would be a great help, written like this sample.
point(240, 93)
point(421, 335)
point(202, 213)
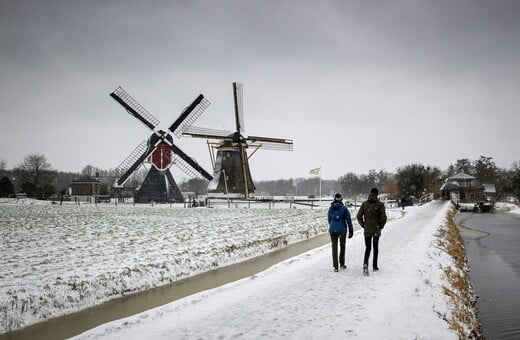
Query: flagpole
point(320, 183)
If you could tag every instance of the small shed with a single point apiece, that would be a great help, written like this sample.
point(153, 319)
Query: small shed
point(490, 193)
point(85, 190)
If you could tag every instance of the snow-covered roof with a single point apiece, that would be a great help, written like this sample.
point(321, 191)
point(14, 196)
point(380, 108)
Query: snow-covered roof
point(454, 182)
point(489, 188)
point(461, 175)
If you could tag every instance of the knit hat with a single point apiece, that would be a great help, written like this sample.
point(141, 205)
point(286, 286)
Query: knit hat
point(338, 197)
point(374, 191)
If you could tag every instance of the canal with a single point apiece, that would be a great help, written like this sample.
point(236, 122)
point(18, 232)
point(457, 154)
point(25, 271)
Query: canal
point(492, 244)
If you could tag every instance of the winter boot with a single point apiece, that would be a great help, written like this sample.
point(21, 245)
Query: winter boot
point(365, 269)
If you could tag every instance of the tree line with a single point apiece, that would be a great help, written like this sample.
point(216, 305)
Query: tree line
point(408, 180)
point(36, 177)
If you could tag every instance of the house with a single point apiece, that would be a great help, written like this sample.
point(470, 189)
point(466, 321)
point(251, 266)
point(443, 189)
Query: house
point(466, 192)
point(87, 189)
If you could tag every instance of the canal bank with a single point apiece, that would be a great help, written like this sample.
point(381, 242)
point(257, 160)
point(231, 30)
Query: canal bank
point(491, 242)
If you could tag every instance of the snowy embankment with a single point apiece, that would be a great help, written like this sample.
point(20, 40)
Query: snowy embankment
point(55, 260)
point(302, 298)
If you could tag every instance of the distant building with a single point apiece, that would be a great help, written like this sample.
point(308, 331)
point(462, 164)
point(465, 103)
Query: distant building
point(490, 193)
point(87, 190)
point(466, 190)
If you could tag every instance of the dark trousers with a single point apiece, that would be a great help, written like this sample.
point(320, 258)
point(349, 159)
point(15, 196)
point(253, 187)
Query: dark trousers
point(368, 246)
point(334, 239)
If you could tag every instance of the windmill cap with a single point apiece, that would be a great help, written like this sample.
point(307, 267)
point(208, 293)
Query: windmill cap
point(338, 197)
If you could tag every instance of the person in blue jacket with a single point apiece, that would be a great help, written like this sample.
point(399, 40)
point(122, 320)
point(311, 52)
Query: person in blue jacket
point(339, 219)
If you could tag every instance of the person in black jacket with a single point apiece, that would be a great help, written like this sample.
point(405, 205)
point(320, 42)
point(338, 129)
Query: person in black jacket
point(339, 219)
point(372, 218)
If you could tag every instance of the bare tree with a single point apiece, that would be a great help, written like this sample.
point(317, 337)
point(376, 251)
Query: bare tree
point(88, 170)
point(33, 167)
point(37, 174)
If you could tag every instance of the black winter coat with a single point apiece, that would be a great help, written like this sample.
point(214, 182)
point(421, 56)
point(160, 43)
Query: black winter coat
point(372, 216)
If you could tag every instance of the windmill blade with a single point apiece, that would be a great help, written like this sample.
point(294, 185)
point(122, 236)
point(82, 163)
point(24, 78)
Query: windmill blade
point(134, 108)
point(269, 143)
point(188, 165)
point(133, 161)
point(189, 115)
point(239, 106)
point(200, 132)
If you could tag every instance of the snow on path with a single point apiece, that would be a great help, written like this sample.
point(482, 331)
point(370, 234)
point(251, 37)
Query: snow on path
point(303, 298)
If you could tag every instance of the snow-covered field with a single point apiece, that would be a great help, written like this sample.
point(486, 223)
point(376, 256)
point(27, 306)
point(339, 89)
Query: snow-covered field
point(302, 298)
point(55, 259)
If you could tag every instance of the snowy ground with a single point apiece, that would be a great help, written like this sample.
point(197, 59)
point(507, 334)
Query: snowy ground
point(302, 298)
point(508, 207)
point(55, 259)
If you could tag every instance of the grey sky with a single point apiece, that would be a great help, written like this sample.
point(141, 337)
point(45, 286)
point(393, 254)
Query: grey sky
point(357, 85)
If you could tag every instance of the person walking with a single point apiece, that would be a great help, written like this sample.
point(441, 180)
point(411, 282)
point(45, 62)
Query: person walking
point(339, 218)
point(372, 218)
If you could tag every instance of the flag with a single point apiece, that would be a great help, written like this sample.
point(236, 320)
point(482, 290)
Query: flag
point(315, 171)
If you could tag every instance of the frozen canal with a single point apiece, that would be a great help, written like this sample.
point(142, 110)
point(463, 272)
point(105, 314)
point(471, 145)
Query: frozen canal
point(492, 245)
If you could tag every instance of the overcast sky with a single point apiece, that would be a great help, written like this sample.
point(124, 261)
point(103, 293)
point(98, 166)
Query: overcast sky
point(357, 85)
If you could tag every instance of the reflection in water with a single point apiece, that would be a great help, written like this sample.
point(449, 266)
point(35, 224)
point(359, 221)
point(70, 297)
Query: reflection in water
point(492, 245)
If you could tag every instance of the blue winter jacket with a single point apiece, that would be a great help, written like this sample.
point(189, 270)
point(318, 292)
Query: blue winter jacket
point(339, 218)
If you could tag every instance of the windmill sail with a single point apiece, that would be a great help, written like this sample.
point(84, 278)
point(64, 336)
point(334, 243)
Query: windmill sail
point(239, 107)
point(134, 108)
point(133, 162)
point(189, 115)
point(200, 132)
point(188, 165)
point(269, 143)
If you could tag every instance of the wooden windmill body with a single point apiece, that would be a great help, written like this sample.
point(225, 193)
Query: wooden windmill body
point(231, 171)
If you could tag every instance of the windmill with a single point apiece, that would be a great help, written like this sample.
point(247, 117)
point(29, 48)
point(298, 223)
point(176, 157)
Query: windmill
point(231, 174)
point(159, 184)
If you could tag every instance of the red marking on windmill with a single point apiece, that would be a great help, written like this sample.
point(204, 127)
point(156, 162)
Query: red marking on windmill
point(162, 157)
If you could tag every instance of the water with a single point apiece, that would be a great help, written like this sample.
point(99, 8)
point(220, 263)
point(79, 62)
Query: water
point(492, 244)
point(76, 323)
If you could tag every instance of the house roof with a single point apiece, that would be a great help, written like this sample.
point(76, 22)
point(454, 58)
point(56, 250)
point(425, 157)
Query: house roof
point(448, 185)
point(489, 188)
point(453, 182)
point(461, 175)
